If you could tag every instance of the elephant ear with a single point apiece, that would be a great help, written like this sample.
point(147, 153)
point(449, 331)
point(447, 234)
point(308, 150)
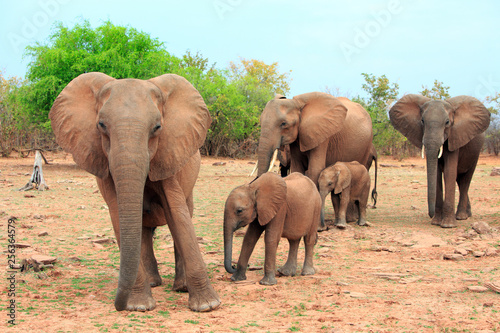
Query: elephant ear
point(406, 117)
point(470, 118)
point(270, 196)
point(73, 119)
point(185, 123)
point(322, 116)
point(343, 178)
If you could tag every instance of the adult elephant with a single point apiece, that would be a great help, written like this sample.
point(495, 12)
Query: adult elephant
point(141, 140)
point(320, 129)
point(451, 133)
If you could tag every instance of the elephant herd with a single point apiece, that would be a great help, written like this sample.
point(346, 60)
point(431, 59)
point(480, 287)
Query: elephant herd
point(141, 140)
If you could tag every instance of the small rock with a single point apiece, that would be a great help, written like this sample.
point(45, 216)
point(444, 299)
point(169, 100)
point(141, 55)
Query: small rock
point(481, 227)
point(39, 217)
point(21, 245)
point(491, 251)
point(471, 279)
point(219, 163)
point(488, 304)
point(391, 249)
point(239, 233)
point(453, 256)
point(341, 283)
point(495, 172)
point(101, 240)
point(105, 207)
point(97, 246)
point(43, 259)
point(461, 251)
point(488, 269)
point(201, 215)
point(477, 289)
point(355, 294)
point(81, 207)
point(413, 207)
point(61, 239)
point(83, 238)
point(478, 254)
point(43, 233)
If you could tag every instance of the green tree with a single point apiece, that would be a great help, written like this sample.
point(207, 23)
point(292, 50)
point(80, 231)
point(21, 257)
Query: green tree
point(258, 81)
point(121, 52)
point(381, 95)
point(493, 131)
point(438, 91)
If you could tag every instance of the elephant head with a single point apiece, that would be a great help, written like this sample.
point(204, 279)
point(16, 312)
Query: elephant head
point(260, 200)
point(130, 130)
point(310, 119)
point(432, 124)
point(335, 178)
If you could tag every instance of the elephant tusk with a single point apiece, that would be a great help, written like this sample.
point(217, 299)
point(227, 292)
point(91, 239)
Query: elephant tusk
point(440, 152)
point(275, 155)
point(253, 171)
point(423, 151)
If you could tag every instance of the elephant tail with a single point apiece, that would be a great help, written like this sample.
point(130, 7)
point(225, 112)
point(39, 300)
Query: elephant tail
point(374, 191)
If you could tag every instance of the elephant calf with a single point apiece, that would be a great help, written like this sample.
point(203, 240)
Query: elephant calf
point(287, 207)
point(348, 182)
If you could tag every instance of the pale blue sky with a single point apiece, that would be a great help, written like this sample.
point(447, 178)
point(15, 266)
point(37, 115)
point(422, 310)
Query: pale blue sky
point(324, 43)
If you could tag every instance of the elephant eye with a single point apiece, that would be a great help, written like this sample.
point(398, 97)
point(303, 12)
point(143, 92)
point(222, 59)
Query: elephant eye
point(101, 125)
point(447, 122)
point(157, 128)
point(239, 211)
point(283, 124)
point(422, 121)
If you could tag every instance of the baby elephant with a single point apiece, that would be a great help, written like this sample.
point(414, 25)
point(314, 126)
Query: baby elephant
point(348, 182)
point(287, 207)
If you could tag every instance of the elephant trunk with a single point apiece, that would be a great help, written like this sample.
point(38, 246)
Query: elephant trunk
point(323, 195)
point(432, 165)
point(129, 171)
point(228, 247)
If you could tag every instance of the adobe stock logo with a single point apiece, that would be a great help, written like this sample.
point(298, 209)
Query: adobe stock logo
point(222, 7)
point(363, 37)
point(30, 27)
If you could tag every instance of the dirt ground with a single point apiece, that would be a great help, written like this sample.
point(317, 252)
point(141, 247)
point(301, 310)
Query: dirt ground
point(392, 276)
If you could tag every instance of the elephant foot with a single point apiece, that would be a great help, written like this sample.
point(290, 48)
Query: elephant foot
point(141, 302)
point(436, 220)
point(449, 222)
point(362, 222)
point(268, 280)
point(288, 270)
point(463, 215)
point(180, 285)
point(340, 223)
point(155, 280)
point(204, 300)
point(238, 276)
point(309, 270)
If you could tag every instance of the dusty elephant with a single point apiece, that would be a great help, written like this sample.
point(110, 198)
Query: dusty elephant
point(320, 130)
point(451, 133)
point(141, 140)
point(287, 207)
point(348, 182)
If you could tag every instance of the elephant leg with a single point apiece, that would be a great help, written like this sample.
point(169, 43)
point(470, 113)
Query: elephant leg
point(362, 210)
point(251, 237)
point(202, 296)
point(180, 283)
point(438, 213)
point(271, 239)
point(140, 298)
point(464, 209)
point(309, 242)
point(290, 267)
point(450, 177)
point(344, 202)
point(336, 207)
point(148, 257)
point(352, 213)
